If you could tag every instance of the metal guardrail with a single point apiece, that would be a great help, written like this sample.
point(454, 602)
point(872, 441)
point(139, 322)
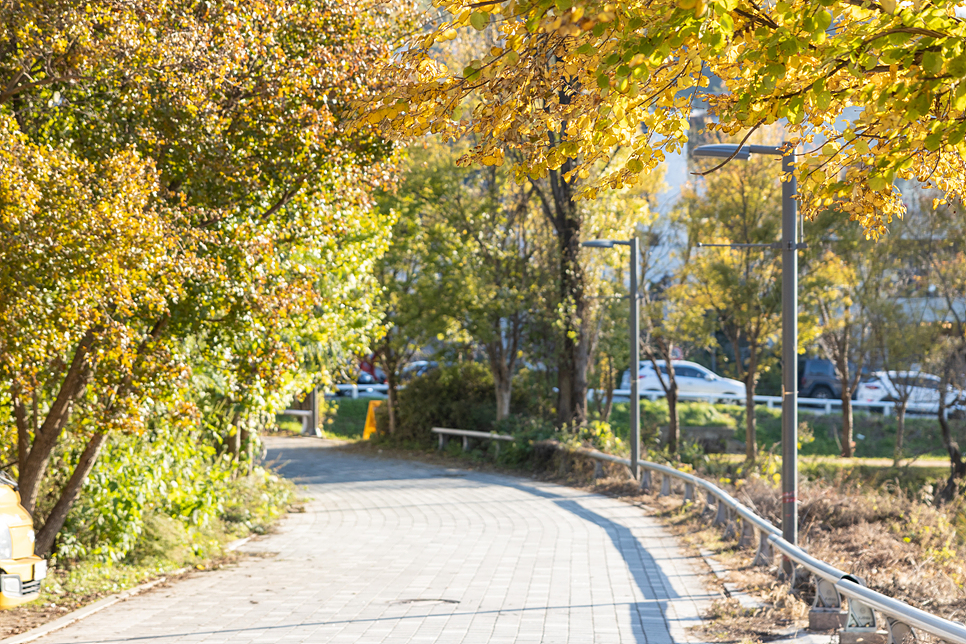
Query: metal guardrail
point(900, 619)
point(466, 434)
point(823, 405)
point(354, 391)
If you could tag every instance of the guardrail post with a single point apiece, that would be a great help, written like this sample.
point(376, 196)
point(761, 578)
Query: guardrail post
point(355, 391)
point(899, 632)
point(828, 408)
point(646, 480)
point(731, 527)
point(826, 613)
point(443, 439)
point(688, 492)
point(466, 443)
point(709, 502)
point(747, 534)
point(764, 556)
point(598, 470)
point(665, 485)
point(861, 626)
point(721, 516)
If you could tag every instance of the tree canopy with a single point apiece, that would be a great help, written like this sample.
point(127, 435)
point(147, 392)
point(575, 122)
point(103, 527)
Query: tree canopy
point(869, 91)
point(178, 196)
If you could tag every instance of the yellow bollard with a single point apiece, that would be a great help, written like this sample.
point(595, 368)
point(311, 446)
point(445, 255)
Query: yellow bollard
point(370, 427)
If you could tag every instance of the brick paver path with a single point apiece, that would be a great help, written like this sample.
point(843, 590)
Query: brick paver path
point(398, 552)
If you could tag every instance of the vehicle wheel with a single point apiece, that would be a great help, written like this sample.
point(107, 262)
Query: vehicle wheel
point(822, 393)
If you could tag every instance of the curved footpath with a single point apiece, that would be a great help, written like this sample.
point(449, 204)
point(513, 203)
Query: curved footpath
point(395, 552)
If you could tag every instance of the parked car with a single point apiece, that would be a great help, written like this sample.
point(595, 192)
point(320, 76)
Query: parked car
point(21, 571)
point(691, 377)
point(418, 368)
point(366, 378)
point(817, 379)
point(890, 386)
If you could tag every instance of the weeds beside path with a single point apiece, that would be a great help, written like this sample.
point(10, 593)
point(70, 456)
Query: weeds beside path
point(166, 546)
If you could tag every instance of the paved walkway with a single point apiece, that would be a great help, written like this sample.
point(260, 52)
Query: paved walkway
point(394, 552)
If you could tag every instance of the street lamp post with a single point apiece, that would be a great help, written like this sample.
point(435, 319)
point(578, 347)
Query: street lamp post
point(789, 247)
point(635, 348)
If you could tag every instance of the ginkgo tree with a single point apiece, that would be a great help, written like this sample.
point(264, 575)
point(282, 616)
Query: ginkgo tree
point(178, 194)
point(869, 91)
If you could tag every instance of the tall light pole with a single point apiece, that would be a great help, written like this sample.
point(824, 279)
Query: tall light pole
point(635, 347)
point(789, 248)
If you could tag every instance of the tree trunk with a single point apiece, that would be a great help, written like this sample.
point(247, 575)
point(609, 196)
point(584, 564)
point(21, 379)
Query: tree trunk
point(503, 390)
point(502, 360)
point(609, 393)
point(391, 400)
point(234, 439)
point(751, 424)
point(840, 347)
point(846, 422)
point(23, 430)
point(45, 439)
point(672, 424)
point(55, 520)
point(957, 466)
point(900, 431)
point(578, 333)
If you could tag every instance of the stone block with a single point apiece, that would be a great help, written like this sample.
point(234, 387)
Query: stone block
point(826, 619)
point(863, 636)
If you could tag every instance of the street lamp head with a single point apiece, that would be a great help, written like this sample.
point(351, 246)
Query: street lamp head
point(722, 151)
point(599, 243)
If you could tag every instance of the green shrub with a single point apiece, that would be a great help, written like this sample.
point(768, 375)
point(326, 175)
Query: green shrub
point(532, 394)
point(527, 430)
point(460, 396)
point(163, 494)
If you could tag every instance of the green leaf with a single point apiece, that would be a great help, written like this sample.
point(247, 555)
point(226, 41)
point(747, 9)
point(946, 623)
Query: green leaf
point(823, 99)
point(823, 20)
point(932, 62)
point(877, 183)
point(479, 20)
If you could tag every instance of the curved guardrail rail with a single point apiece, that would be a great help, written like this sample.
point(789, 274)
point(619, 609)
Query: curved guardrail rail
point(900, 619)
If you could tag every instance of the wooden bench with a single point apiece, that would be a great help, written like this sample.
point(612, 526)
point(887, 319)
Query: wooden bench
point(445, 433)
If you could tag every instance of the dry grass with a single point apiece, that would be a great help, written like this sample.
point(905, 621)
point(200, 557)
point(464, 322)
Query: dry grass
point(904, 547)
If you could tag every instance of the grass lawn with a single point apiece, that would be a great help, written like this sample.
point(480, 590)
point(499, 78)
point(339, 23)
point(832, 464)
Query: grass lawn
point(818, 434)
point(346, 418)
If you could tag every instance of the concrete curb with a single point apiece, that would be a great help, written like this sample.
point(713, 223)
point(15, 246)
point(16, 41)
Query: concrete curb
point(731, 590)
point(79, 614)
point(86, 611)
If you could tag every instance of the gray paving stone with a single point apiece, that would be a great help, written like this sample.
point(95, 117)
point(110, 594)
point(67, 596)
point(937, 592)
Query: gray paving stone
point(382, 542)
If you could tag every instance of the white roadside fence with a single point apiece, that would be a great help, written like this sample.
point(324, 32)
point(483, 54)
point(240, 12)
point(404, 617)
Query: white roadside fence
point(815, 405)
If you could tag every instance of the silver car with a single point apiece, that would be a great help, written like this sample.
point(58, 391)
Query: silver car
point(922, 389)
point(694, 381)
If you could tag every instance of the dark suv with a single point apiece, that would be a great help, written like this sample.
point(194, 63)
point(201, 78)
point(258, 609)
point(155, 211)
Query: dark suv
point(817, 379)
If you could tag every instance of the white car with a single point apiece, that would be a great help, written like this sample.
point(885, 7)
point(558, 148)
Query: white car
point(922, 388)
point(692, 378)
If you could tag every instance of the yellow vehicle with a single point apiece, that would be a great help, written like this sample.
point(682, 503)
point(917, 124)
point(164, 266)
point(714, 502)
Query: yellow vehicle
point(20, 570)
